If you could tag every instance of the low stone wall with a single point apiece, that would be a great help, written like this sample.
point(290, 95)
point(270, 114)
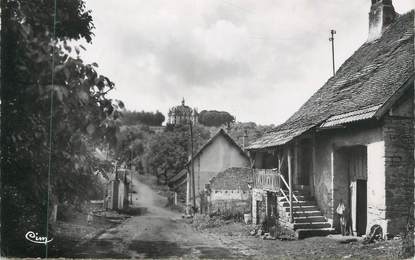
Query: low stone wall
point(230, 206)
point(230, 201)
point(399, 172)
point(229, 195)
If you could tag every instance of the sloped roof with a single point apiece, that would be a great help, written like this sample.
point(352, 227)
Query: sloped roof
point(221, 132)
point(361, 114)
point(235, 178)
point(369, 78)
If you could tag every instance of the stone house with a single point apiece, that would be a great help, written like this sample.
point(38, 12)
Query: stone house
point(219, 153)
point(352, 141)
point(230, 191)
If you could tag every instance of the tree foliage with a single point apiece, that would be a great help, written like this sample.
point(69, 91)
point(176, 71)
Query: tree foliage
point(215, 118)
point(250, 130)
point(131, 141)
point(54, 110)
point(146, 118)
point(168, 152)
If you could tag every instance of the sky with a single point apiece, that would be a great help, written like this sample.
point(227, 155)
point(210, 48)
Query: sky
point(259, 60)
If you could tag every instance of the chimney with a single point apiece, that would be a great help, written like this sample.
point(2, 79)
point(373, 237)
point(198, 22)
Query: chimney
point(382, 13)
point(244, 137)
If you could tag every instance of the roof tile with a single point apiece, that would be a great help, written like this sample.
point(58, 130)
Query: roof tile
point(368, 78)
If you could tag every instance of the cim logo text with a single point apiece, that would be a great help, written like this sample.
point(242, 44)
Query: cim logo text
point(35, 238)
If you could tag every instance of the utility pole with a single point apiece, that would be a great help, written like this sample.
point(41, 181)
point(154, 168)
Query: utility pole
point(192, 167)
point(333, 32)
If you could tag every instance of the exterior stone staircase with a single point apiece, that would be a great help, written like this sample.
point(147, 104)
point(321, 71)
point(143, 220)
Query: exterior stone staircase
point(308, 219)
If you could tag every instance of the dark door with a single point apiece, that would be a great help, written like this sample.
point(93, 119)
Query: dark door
point(361, 207)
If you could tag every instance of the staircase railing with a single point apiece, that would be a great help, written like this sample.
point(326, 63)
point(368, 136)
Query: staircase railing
point(291, 194)
point(273, 180)
point(288, 188)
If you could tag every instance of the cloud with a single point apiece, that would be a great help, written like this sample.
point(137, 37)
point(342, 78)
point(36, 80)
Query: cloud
point(260, 60)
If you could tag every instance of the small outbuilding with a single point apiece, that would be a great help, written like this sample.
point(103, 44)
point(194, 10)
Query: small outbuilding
point(230, 191)
point(218, 154)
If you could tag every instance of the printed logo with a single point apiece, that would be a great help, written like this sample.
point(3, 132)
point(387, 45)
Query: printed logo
point(34, 238)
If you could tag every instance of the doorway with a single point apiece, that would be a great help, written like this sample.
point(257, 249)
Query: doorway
point(361, 207)
point(357, 166)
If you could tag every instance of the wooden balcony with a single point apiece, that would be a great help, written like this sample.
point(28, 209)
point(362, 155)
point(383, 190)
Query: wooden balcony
point(272, 180)
point(267, 179)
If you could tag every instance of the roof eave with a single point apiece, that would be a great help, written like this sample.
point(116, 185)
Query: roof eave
point(395, 97)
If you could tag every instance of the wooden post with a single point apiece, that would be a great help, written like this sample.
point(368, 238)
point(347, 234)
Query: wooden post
point(193, 168)
point(290, 191)
point(314, 165)
point(296, 175)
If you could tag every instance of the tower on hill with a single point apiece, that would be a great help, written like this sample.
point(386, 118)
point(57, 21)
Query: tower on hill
point(182, 114)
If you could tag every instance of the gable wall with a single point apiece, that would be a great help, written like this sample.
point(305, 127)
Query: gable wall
point(218, 156)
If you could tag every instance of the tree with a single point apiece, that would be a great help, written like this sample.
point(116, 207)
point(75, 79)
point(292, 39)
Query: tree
point(250, 130)
point(54, 110)
point(168, 152)
point(215, 118)
point(130, 144)
point(146, 118)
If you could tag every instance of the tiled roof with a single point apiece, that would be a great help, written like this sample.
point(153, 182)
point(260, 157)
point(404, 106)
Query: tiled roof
point(361, 114)
point(369, 78)
point(234, 178)
point(277, 138)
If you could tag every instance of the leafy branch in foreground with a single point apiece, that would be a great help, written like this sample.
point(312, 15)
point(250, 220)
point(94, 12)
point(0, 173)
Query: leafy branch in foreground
point(36, 67)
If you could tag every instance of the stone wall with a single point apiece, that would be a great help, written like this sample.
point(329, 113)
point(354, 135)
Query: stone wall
point(229, 195)
point(233, 201)
point(399, 171)
point(258, 205)
point(230, 206)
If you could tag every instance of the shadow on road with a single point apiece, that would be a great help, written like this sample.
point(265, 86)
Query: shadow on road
point(158, 249)
point(155, 249)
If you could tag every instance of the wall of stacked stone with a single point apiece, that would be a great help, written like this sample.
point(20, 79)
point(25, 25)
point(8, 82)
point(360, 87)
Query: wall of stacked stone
point(231, 201)
point(230, 206)
point(230, 195)
point(258, 195)
point(398, 133)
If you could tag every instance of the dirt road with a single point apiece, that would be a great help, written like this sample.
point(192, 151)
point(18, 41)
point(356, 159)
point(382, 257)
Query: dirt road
point(162, 233)
point(157, 233)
